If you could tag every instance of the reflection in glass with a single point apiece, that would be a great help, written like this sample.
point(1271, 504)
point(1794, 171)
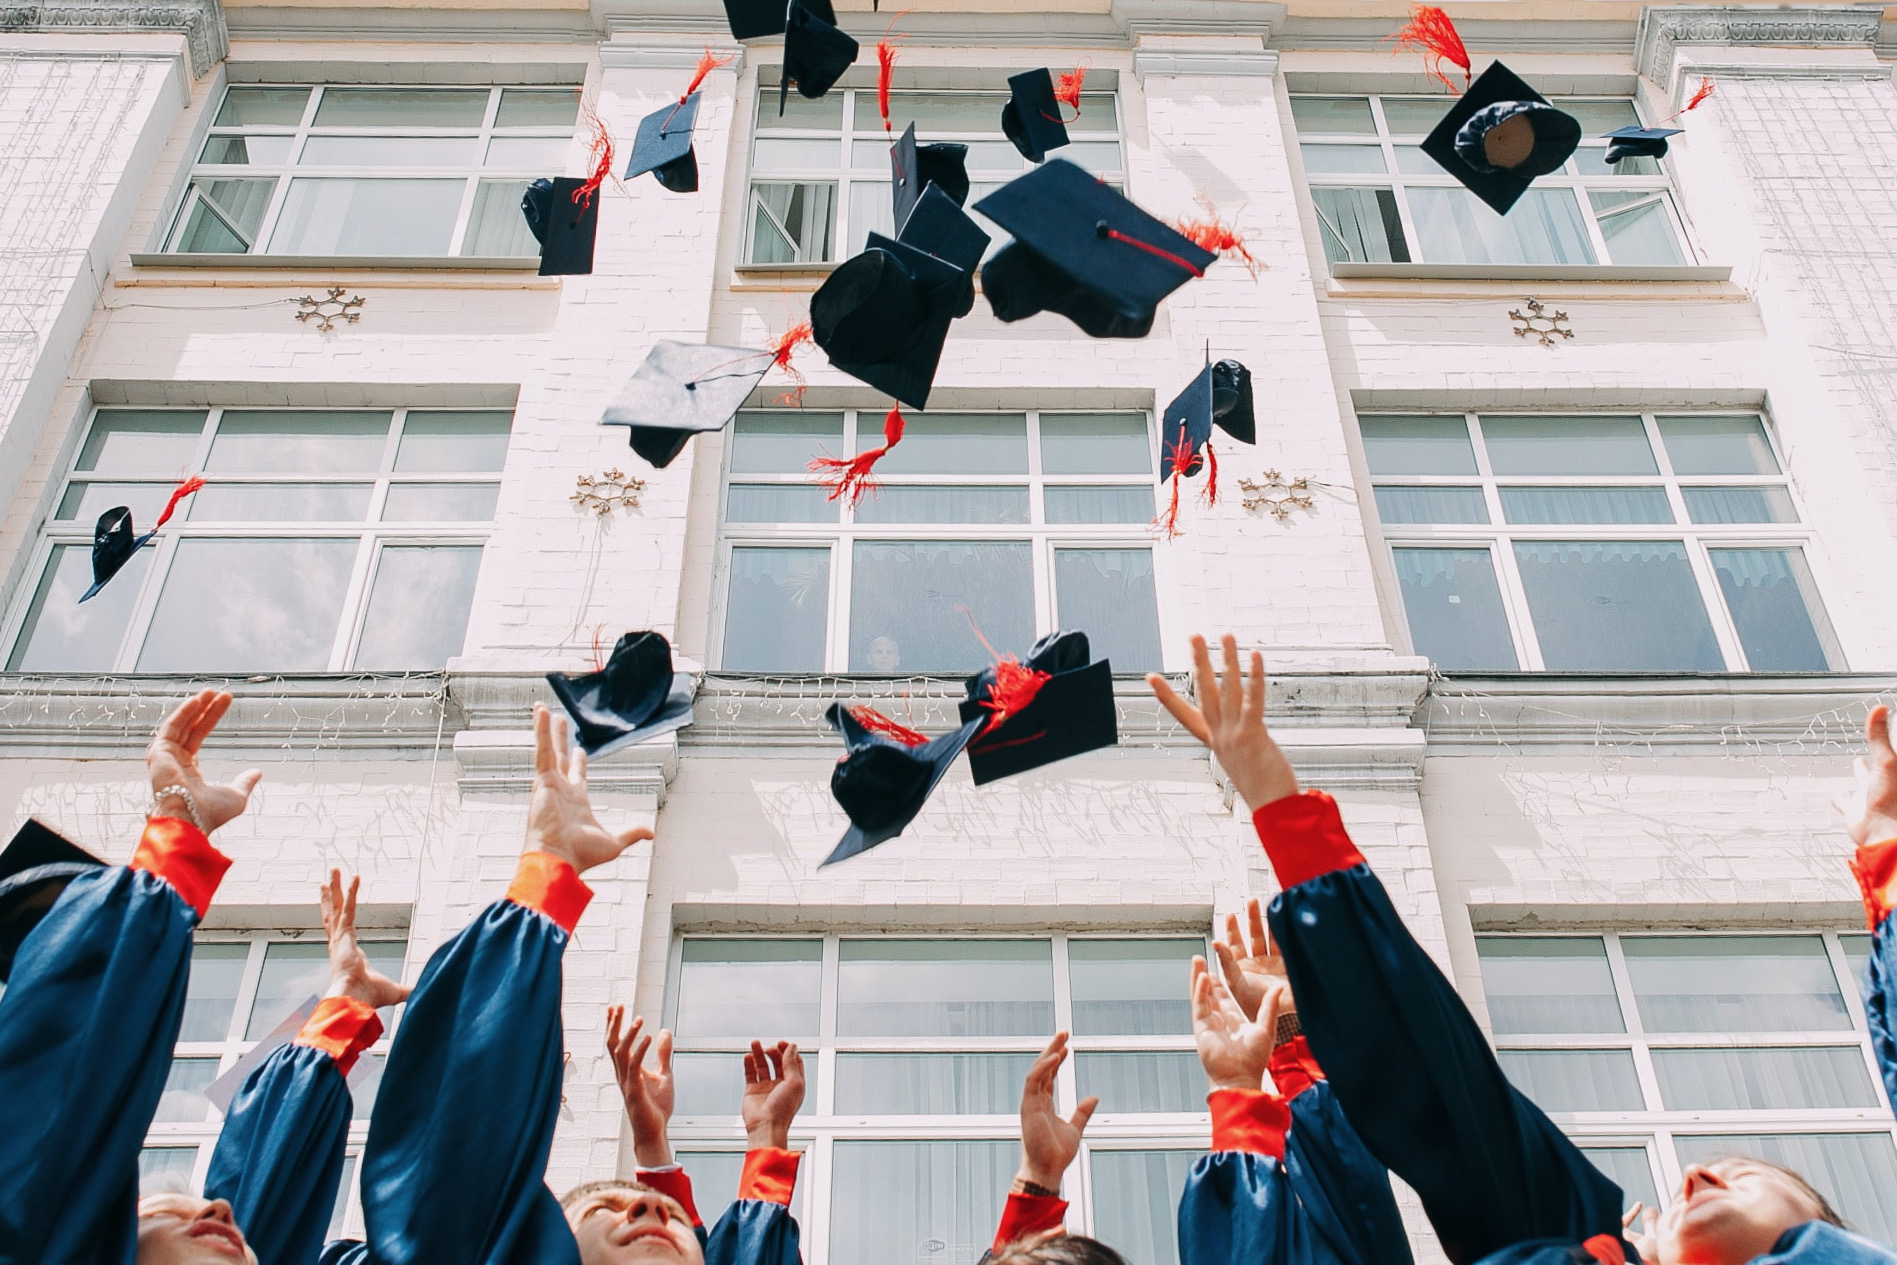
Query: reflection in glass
point(183, 1100)
point(401, 107)
point(800, 113)
point(282, 107)
point(341, 1206)
point(1454, 607)
point(290, 441)
point(1548, 984)
point(138, 442)
point(916, 1201)
point(211, 995)
point(1855, 1171)
point(365, 1082)
point(496, 228)
point(1763, 1080)
point(930, 1084)
point(166, 1169)
point(1628, 1168)
point(538, 107)
point(778, 503)
point(1431, 505)
point(783, 443)
point(945, 988)
point(440, 502)
point(1617, 606)
point(1775, 608)
point(1099, 504)
point(1586, 505)
point(1342, 159)
point(1734, 984)
point(85, 501)
point(1317, 116)
point(1717, 445)
point(1568, 446)
point(739, 988)
point(223, 216)
point(1575, 1080)
point(367, 216)
point(957, 443)
point(1110, 594)
point(791, 223)
point(454, 442)
point(280, 502)
point(389, 151)
point(527, 153)
point(292, 975)
point(1135, 1200)
point(944, 503)
point(1131, 987)
point(1455, 227)
point(1417, 445)
point(1360, 226)
point(249, 606)
point(922, 596)
point(1095, 443)
point(777, 610)
point(60, 635)
point(1159, 1080)
point(1740, 505)
point(1857, 952)
point(1637, 227)
point(418, 607)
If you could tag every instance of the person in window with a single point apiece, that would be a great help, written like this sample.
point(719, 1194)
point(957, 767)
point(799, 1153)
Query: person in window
point(884, 655)
point(1870, 817)
point(1030, 1232)
point(1414, 1074)
point(91, 1011)
point(653, 1217)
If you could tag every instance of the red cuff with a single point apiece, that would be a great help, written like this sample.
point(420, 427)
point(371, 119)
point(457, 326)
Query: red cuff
point(1304, 837)
point(673, 1182)
point(1025, 1215)
point(1875, 866)
point(769, 1174)
point(1293, 1069)
point(342, 1026)
point(179, 853)
point(551, 886)
point(1249, 1120)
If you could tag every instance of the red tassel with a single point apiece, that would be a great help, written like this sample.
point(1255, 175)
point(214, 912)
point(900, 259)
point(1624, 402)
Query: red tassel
point(886, 69)
point(1015, 686)
point(1431, 33)
point(177, 494)
point(601, 157)
point(599, 658)
point(1168, 522)
point(1210, 234)
point(849, 477)
point(1067, 89)
point(877, 723)
point(707, 63)
point(1700, 93)
point(796, 336)
point(1177, 260)
point(1211, 475)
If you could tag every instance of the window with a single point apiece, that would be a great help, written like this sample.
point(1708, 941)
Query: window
point(917, 1049)
point(373, 171)
point(1380, 199)
point(1014, 523)
point(241, 988)
point(323, 541)
point(1597, 544)
point(820, 174)
point(1654, 1052)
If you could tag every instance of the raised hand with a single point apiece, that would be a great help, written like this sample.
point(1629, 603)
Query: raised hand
point(1647, 1240)
point(1235, 1051)
point(649, 1092)
point(1230, 719)
point(1254, 973)
point(1870, 808)
point(350, 974)
point(1049, 1143)
point(559, 816)
point(172, 760)
point(773, 1091)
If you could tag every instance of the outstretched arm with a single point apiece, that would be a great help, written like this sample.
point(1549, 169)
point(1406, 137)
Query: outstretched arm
point(758, 1229)
point(649, 1093)
point(1049, 1145)
point(1870, 817)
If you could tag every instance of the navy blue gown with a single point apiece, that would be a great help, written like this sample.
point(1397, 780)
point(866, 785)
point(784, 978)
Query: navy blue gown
point(1875, 867)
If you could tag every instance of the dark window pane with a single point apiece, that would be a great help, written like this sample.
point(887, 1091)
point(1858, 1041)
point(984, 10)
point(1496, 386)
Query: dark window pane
point(930, 1084)
point(1417, 445)
point(945, 988)
point(1095, 443)
point(1135, 1199)
point(1431, 505)
point(1775, 608)
point(1717, 445)
point(1855, 1171)
point(783, 443)
point(1161, 1080)
point(1763, 1080)
point(912, 603)
point(1568, 446)
point(1131, 987)
point(1360, 226)
point(249, 606)
point(1740, 505)
point(1454, 608)
point(1617, 606)
point(777, 610)
point(1099, 505)
point(1586, 505)
point(741, 988)
point(1575, 1080)
point(61, 635)
point(916, 1201)
point(944, 504)
point(418, 607)
point(1109, 595)
point(1548, 984)
point(1735, 984)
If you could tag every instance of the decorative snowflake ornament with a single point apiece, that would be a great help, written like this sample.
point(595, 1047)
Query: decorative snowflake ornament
point(1277, 494)
point(1537, 322)
point(326, 312)
point(605, 493)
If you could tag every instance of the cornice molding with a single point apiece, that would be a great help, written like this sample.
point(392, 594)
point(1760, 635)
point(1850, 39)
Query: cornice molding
point(1664, 28)
point(525, 25)
point(201, 22)
point(1162, 63)
point(631, 55)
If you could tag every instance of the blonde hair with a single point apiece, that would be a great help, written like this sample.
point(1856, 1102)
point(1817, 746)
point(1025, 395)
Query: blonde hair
point(1056, 1247)
point(1825, 1212)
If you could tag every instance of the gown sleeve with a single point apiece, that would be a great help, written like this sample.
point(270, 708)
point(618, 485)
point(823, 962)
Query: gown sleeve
point(87, 1024)
point(758, 1229)
point(1343, 1190)
point(279, 1158)
point(1407, 1062)
point(1239, 1205)
point(1875, 867)
point(676, 1183)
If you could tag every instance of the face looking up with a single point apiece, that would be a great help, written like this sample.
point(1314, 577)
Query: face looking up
point(176, 1229)
point(1730, 1211)
point(624, 1225)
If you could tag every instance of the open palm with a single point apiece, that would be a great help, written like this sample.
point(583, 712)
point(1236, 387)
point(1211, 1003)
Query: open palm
point(172, 759)
point(350, 974)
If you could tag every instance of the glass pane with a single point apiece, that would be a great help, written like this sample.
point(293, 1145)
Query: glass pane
point(778, 503)
point(1170, 1081)
point(1575, 1080)
point(496, 228)
point(440, 502)
point(389, 151)
point(918, 599)
point(1431, 505)
point(1857, 952)
point(367, 216)
point(281, 502)
point(364, 1083)
point(1628, 1168)
point(1412, 161)
point(528, 153)
point(1135, 1200)
point(84, 502)
point(281, 107)
point(292, 975)
point(997, 158)
point(1639, 236)
point(1855, 1171)
point(418, 607)
point(183, 1101)
point(871, 211)
point(1592, 161)
point(1568, 446)
point(955, 443)
point(1099, 505)
point(1413, 116)
point(784, 443)
point(341, 1206)
point(1334, 115)
point(930, 1084)
point(60, 635)
point(1599, 117)
point(1454, 608)
point(216, 972)
point(1717, 445)
point(1548, 984)
point(402, 107)
point(946, 503)
point(713, 1084)
point(139, 442)
point(792, 223)
point(940, 113)
point(1586, 505)
point(800, 113)
point(1775, 608)
point(1763, 1080)
point(749, 988)
point(1734, 984)
point(454, 443)
point(538, 107)
point(777, 610)
point(715, 1174)
point(1131, 987)
point(224, 216)
point(1417, 445)
point(1360, 226)
point(1617, 606)
point(245, 150)
point(249, 606)
point(1456, 227)
point(166, 1169)
point(1098, 157)
point(945, 988)
point(1330, 159)
point(1110, 594)
point(1740, 505)
point(770, 154)
point(1095, 443)
point(916, 1201)
point(291, 442)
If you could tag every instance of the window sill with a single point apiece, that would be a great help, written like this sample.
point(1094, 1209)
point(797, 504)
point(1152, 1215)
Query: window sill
point(390, 263)
point(778, 276)
point(1529, 272)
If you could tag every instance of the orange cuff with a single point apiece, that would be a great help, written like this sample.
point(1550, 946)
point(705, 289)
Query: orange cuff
point(1024, 1215)
point(1293, 1069)
point(546, 884)
point(1249, 1120)
point(769, 1174)
point(343, 1027)
point(675, 1183)
point(1304, 837)
point(179, 853)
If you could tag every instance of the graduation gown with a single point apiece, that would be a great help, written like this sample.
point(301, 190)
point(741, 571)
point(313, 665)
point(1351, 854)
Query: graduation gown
point(87, 1025)
point(757, 1229)
point(1875, 868)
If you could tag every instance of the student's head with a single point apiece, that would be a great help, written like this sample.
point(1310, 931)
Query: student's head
point(1057, 1248)
point(1733, 1209)
point(620, 1223)
point(179, 1229)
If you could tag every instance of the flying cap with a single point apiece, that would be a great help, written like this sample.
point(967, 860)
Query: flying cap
point(886, 775)
point(1068, 709)
point(635, 696)
point(750, 19)
point(1638, 142)
point(1084, 251)
point(683, 389)
point(883, 316)
point(914, 168)
point(34, 869)
point(1031, 119)
point(815, 53)
point(113, 543)
point(942, 228)
point(565, 228)
point(1500, 135)
point(1231, 401)
point(1221, 394)
point(664, 146)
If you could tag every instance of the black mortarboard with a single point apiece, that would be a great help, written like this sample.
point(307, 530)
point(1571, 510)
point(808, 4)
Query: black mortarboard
point(634, 697)
point(883, 316)
point(1500, 135)
point(564, 228)
point(664, 146)
point(815, 53)
point(1221, 395)
point(1071, 713)
point(1231, 401)
point(34, 870)
point(1084, 251)
point(914, 168)
point(752, 18)
point(1031, 119)
point(681, 390)
point(1638, 142)
point(113, 544)
point(882, 781)
point(945, 230)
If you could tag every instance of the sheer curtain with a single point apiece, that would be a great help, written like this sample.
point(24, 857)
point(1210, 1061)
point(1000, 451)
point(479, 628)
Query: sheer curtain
point(1575, 1080)
point(1774, 606)
point(1856, 1171)
point(1763, 1080)
point(1617, 606)
point(917, 1203)
point(1455, 608)
point(1456, 227)
point(1735, 984)
point(1360, 226)
point(1136, 1202)
point(930, 1084)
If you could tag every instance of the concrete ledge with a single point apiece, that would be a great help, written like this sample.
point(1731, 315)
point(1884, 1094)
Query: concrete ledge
point(1824, 915)
point(402, 263)
point(1531, 272)
point(502, 762)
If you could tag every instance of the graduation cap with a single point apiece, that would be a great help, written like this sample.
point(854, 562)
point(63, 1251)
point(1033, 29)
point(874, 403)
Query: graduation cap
point(1055, 705)
point(886, 775)
point(941, 227)
point(1500, 135)
point(1220, 395)
point(113, 543)
point(753, 18)
point(1084, 251)
point(883, 316)
point(1031, 119)
point(664, 146)
point(635, 696)
point(1638, 142)
point(683, 389)
point(915, 167)
point(564, 227)
point(34, 870)
point(815, 53)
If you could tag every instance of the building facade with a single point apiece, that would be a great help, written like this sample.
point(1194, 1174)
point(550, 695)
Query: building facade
point(278, 244)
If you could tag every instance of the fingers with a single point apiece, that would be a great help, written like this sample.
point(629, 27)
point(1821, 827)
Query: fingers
point(615, 1016)
point(1182, 711)
point(776, 1055)
point(1255, 689)
point(1631, 1214)
point(175, 727)
point(1228, 964)
point(213, 711)
point(327, 898)
point(1233, 941)
point(561, 747)
point(638, 834)
point(665, 1051)
point(1203, 1007)
point(793, 1063)
point(756, 1066)
point(1261, 946)
point(246, 782)
point(1877, 733)
point(576, 768)
point(1205, 684)
point(349, 898)
point(1232, 684)
point(1083, 1112)
point(543, 741)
